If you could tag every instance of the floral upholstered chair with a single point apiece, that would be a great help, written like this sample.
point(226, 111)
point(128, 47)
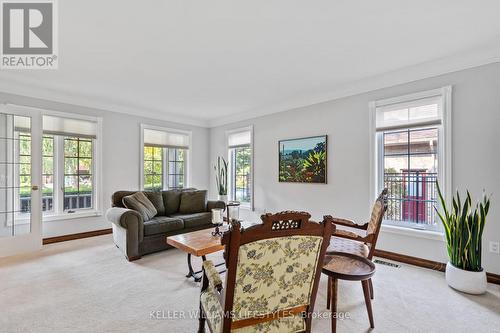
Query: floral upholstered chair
point(273, 272)
point(355, 243)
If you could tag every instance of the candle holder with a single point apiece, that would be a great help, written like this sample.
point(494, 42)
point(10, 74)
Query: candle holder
point(217, 231)
point(232, 211)
point(217, 220)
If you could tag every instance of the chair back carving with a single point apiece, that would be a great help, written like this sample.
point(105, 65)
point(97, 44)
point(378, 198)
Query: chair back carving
point(378, 212)
point(273, 271)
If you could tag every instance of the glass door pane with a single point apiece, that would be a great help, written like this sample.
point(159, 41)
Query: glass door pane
point(15, 175)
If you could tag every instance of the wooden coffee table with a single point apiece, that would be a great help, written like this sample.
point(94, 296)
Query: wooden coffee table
point(198, 243)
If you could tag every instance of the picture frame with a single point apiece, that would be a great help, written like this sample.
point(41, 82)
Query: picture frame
point(303, 160)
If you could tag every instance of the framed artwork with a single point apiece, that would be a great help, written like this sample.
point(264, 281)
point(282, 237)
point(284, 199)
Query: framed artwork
point(303, 160)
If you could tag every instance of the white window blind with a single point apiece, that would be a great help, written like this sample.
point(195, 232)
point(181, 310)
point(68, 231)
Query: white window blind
point(69, 127)
point(239, 139)
point(165, 139)
point(421, 112)
point(22, 124)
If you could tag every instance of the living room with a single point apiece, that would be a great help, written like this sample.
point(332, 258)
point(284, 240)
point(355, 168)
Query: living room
point(173, 166)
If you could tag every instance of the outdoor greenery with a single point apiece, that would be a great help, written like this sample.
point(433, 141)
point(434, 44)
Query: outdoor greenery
point(153, 168)
point(304, 165)
point(464, 226)
point(242, 158)
point(77, 165)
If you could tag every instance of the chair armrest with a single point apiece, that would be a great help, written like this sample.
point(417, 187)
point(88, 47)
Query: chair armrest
point(212, 275)
point(211, 204)
point(128, 219)
point(353, 236)
point(349, 223)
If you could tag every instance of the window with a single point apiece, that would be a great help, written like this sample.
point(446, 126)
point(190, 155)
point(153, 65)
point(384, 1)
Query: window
point(68, 166)
point(176, 167)
point(164, 159)
point(240, 166)
point(25, 173)
point(48, 174)
point(411, 155)
point(78, 171)
point(153, 168)
point(24, 165)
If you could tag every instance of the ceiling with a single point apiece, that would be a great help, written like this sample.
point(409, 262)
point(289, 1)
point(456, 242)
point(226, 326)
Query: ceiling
point(212, 62)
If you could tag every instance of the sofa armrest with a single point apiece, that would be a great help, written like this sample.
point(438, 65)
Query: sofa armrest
point(211, 204)
point(128, 219)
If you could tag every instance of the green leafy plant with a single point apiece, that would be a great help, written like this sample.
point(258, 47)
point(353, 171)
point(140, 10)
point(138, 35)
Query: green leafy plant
point(463, 227)
point(315, 164)
point(221, 175)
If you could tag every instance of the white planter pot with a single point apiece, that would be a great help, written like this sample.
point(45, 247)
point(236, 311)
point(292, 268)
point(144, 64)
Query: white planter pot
point(468, 282)
point(223, 198)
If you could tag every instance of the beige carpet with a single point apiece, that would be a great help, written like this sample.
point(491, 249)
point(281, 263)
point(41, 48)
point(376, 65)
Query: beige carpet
point(87, 286)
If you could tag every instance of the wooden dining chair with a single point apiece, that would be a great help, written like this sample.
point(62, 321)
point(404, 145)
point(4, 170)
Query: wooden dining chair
point(362, 244)
point(273, 272)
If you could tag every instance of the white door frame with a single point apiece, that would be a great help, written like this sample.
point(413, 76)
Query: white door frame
point(31, 241)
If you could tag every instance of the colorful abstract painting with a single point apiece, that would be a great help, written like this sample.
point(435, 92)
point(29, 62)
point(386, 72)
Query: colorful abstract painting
point(303, 160)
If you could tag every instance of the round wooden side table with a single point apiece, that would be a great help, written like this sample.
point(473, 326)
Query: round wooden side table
point(347, 266)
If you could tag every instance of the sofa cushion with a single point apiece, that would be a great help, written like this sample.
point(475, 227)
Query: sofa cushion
point(195, 220)
point(172, 201)
point(162, 225)
point(117, 198)
point(193, 202)
point(140, 203)
point(156, 199)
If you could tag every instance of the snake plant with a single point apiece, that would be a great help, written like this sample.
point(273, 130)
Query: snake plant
point(463, 227)
point(221, 175)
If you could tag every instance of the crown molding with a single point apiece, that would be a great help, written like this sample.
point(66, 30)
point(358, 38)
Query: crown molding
point(13, 85)
point(405, 75)
point(28, 88)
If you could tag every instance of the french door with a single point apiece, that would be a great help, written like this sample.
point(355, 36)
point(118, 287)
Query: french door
point(20, 178)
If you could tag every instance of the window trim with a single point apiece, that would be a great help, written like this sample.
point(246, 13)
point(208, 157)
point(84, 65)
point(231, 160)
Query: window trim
point(58, 213)
point(249, 128)
point(187, 157)
point(444, 149)
point(97, 169)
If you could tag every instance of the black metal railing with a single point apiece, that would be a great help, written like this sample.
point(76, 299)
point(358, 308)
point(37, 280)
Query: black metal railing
point(71, 202)
point(412, 196)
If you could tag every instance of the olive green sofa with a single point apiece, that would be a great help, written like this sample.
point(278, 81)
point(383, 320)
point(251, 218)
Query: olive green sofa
point(176, 213)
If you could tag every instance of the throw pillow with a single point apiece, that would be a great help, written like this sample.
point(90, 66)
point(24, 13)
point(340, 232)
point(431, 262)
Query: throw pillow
point(193, 202)
point(171, 201)
point(157, 200)
point(140, 203)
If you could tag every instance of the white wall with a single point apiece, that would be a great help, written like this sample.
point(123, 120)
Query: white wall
point(120, 160)
point(476, 156)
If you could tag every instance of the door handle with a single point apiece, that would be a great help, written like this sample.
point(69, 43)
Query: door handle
point(34, 187)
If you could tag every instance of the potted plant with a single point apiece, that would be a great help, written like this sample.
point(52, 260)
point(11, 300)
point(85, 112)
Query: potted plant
point(463, 226)
point(221, 178)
